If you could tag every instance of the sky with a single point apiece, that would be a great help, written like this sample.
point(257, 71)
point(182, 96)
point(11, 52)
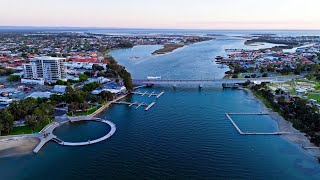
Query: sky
point(166, 14)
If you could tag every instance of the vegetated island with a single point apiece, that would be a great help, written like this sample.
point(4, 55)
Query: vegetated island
point(170, 47)
point(266, 39)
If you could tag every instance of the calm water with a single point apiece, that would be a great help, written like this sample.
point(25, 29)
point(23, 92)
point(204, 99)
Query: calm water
point(184, 136)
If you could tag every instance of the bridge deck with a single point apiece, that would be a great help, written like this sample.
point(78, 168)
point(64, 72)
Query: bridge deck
point(195, 81)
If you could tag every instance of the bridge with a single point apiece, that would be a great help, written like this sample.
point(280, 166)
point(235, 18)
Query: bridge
point(210, 81)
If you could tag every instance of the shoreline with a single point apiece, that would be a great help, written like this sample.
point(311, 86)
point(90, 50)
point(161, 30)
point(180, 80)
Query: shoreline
point(286, 126)
point(16, 146)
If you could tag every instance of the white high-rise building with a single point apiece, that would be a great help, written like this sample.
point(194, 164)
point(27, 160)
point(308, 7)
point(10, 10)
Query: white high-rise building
point(48, 69)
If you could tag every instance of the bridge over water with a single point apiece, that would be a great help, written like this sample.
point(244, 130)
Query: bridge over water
point(209, 81)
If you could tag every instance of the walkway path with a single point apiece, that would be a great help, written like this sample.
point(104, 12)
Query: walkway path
point(46, 135)
point(112, 131)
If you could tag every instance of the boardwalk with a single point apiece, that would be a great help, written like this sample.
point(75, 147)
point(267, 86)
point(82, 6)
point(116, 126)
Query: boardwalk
point(47, 135)
point(108, 135)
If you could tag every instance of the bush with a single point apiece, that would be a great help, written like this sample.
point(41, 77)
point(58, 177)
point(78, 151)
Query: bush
point(13, 78)
point(235, 76)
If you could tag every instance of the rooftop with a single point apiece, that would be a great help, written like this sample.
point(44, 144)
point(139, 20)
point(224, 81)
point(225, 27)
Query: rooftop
point(48, 58)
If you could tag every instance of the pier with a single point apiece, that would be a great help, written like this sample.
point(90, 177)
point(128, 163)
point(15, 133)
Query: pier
point(149, 94)
point(137, 104)
point(47, 135)
point(89, 142)
point(254, 133)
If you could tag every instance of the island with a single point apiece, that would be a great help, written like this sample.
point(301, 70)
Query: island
point(168, 48)
point(183, 41)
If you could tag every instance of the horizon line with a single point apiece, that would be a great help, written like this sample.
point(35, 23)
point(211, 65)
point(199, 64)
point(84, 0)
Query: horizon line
point(149, 28)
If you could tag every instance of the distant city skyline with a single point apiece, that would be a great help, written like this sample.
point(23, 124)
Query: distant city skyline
point(164, 14)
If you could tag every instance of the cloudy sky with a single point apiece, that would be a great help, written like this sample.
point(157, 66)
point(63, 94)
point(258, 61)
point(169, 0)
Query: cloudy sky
point(186, 14)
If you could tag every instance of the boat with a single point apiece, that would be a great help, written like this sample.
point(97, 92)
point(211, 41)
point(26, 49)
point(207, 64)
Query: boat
point(149, 85)
point(154, 77)
point(200, 86)
point(219, 58)
point(5, 101)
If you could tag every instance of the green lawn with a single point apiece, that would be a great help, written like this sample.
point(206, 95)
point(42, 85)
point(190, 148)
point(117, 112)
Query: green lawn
point(314, 96)
point(90, 111)
point(23, 130)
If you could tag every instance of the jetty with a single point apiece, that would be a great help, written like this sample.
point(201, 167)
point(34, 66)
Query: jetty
point(149, 94)
point(89, 142)
point(254, 133)
point(137, 104)
point(47, 135)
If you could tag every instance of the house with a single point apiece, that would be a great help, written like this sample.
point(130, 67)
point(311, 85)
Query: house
point(59, 89)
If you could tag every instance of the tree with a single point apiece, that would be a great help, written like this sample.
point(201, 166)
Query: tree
point(41, 116)
point(6, 119)
point(83, 77)
point(91, 86)
point(106, 95)
point(1, 127)
point(235, 76)
point(97, 67)
point(73, 107)
point(13, 78)
point(31, 121)
point(262, 70)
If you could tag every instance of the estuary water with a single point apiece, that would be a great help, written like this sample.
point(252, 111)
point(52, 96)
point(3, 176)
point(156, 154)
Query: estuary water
point(186, 135)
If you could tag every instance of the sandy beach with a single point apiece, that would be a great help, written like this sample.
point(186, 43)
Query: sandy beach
point(17, 146)
point(286, 126)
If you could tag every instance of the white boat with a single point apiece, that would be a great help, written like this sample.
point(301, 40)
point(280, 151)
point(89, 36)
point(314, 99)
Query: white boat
point(154, 77)
point(5, 101)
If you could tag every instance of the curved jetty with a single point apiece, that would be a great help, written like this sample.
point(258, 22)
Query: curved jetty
point(47, 135)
